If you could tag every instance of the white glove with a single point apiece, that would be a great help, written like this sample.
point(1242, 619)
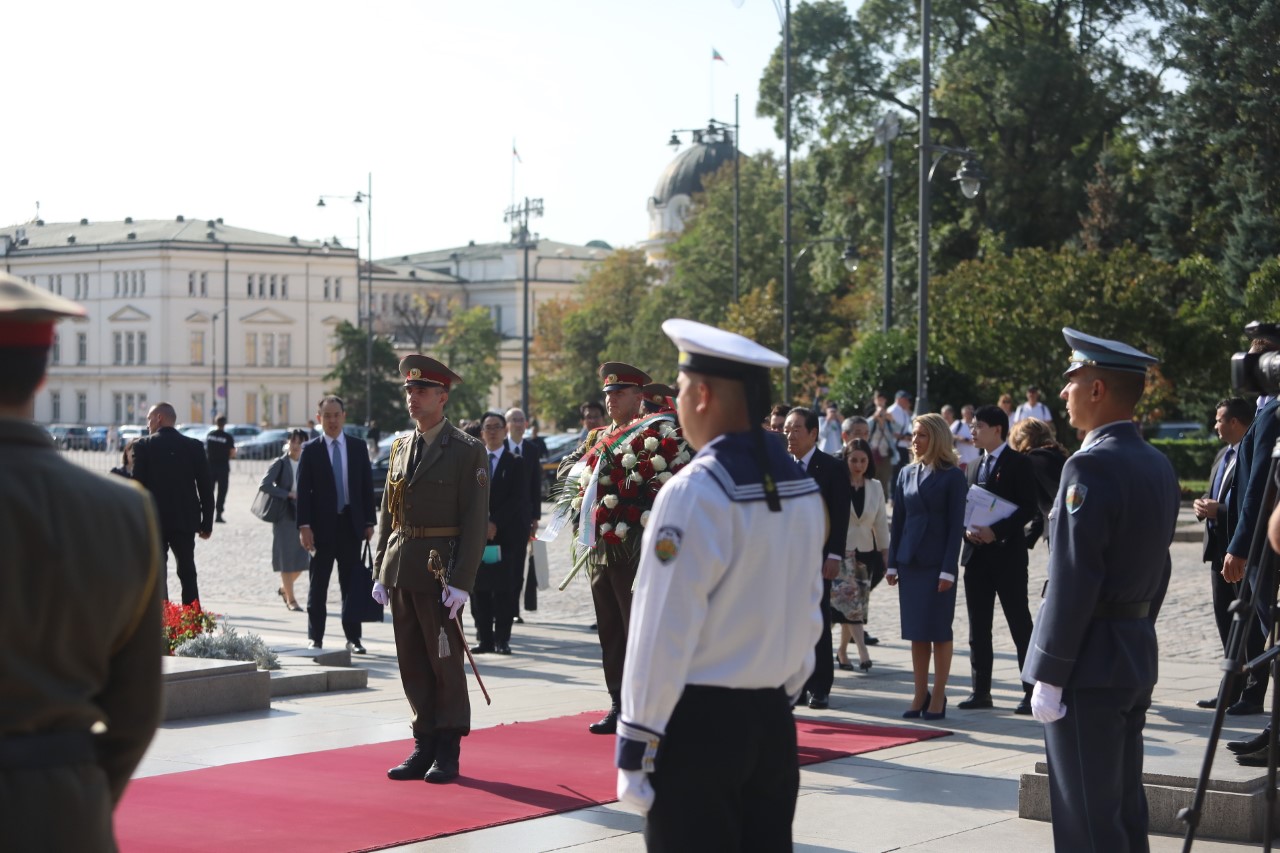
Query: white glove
point(634, 790)
point(380, 594)
point(453, 598)
point(1046, 703)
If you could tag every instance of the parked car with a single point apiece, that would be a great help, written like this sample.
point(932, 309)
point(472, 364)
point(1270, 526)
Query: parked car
point(71, 437)
point(196, 431)
point(98, 438)
point(559, 445)
point(267, 444)
point(128, 433)
point(243, 432)
point(1176, 429)
point(380, 467)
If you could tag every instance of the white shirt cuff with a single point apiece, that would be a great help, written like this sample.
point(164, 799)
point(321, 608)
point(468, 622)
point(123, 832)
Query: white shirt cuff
point(836, 557)
point(947, 576)
point(891, 573)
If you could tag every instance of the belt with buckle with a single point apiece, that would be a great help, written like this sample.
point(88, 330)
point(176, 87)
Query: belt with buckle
point(411, 532)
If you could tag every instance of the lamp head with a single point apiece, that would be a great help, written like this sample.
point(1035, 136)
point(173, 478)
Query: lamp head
point(970, 176)
point(674, 141)
point(320, 203)
point(359, 199)
point(850, 258)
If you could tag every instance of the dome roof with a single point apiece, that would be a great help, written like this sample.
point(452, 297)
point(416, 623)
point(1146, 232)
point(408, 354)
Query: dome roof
point(683, 176)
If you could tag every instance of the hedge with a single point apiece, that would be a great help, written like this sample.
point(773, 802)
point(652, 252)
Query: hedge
point(1192, 458)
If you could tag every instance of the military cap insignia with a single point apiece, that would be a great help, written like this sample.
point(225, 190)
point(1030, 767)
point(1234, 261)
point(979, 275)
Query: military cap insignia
point(666, 545)
point(1075, 496)
point(482, 477)
point(611, 379)
point(415, 373)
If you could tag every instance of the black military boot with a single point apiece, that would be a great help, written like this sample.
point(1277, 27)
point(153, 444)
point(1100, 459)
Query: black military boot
point(445, 767)
point(609, 724)
point(418, 762)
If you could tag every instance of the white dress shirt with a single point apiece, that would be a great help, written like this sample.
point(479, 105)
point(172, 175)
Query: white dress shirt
point(346, 461)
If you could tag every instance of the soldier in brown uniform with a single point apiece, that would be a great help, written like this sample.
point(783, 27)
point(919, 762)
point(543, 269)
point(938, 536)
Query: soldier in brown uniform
point(436, 499)
point(611, 581)
point(80, 639)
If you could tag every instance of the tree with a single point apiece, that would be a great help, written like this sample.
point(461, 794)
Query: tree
point(414, 321)
point(349, 372)
point(469, 346)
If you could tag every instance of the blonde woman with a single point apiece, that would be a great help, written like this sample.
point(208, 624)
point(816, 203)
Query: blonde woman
point(924, 550)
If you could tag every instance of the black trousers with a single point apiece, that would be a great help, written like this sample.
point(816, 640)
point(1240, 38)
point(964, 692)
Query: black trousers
point(985, 580)
point(183, 545)
point(726, 775)
point(1253, 688)
point(493, 612)
point(221, 477)
point(345, 551)
point(1095, 771)
point(824, 667)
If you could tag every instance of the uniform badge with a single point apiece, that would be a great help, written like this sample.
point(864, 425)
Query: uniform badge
point(1076, 493)
point(666, 545)
point(611, 379)
point(482, 477)
point(415, 373)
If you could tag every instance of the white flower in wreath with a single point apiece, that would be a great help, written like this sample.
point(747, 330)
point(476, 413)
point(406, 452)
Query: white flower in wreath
point(621, 529)
point(605, 479)
point(584, 478)
point(610, 501)
point(629, 461)
point(577, 504)
point(605, 528)
point(635, 477)
point(664, 476)
point(651, 444)
point(659, 464)
point(644, 518)
point(682, 457)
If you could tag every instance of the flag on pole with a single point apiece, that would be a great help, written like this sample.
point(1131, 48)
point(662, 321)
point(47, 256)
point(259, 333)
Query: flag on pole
point(716, 57)
point(515, 153)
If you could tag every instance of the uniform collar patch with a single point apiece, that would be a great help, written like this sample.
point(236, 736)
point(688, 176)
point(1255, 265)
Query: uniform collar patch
point(1076, 493)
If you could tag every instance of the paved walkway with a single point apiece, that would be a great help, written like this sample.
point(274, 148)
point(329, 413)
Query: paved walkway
point(958, 793)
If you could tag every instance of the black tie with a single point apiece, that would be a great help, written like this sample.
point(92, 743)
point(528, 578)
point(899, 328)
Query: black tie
point(984, 470)
point(415, 455)
point(516, 450)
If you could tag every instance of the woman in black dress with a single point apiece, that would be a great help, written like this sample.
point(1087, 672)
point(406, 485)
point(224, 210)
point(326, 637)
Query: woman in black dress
point(1035, 439)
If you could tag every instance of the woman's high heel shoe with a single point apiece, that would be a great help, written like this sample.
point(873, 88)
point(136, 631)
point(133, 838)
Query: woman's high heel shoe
point(865, 665)
point(844, 664)
point(929, 715)
point(280, 592)
point(915, 713)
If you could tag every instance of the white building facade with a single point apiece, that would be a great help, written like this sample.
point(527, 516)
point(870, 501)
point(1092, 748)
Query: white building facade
point(211, 318)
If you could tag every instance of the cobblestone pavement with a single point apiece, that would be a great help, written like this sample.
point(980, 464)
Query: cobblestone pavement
point(234, 566)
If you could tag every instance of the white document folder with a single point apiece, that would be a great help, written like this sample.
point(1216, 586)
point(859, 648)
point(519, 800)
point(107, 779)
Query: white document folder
point(983, 508)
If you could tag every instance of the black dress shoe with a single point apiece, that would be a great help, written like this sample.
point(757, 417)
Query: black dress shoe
point(802, 699)
point(1253, 744)
point(1244, 707)
point(502, 648)
point(356, 648)
point(1024, 707)
point(219, 519)
point(976, 702)
point(315, 644)
point(607, 725)
point(870, 640)
point(519, 621)
point(819, 703)
point(1209, 703)
point(481, 649)
point(1257, 758)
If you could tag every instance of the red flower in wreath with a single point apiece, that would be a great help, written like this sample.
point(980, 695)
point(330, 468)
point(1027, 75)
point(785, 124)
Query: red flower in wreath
point(645, 468)
point(631, 514)
point(628, 488)
point(602, 514)
point(612, 538)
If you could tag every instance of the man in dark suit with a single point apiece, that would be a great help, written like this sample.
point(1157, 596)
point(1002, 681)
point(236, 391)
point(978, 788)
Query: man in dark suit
point(801, 431)
point(335, 514)
point(494, 599)
point(1231, 422)
point(174, 469)
point(1094, 655)
point(529, 450)
point(995, 557)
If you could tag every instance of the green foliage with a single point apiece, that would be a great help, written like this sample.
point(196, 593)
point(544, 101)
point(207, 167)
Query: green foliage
point(349, 374)
point(1191, 457)
point(469, 346)
point(228, 644)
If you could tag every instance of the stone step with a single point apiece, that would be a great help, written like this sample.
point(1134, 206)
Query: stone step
point(1233, 809)
point(338, 656)
point(298, 680)
point(197, 687)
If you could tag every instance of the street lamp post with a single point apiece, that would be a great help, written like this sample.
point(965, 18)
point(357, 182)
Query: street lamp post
point(721, 131)
point(970, 178)
point(213, 365)
point(520, 215)
point(886, 132)
point(364, 197)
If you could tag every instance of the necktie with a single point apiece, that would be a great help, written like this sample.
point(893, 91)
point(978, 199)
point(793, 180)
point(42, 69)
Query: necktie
point(516, 450)
point(337, 475)
point(984, 470)
point(415, 455)
point(493, 463)
point(1221, 473)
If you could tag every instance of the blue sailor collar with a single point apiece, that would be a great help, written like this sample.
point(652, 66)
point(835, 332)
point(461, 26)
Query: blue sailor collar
point(731, 461)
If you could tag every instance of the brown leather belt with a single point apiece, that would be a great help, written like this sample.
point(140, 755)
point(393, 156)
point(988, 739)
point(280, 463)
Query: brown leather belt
point(51, 749)
point(410, 532)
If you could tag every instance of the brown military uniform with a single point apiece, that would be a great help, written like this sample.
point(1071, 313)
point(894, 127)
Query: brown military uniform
point(80, 643)
point(443, 506)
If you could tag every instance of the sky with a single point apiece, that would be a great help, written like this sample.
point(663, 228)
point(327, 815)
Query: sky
point(249, 111)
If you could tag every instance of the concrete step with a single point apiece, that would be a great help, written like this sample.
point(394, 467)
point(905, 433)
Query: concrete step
point(297, 680)
point(196, 687)
point(1233, 809)
point(338, 656)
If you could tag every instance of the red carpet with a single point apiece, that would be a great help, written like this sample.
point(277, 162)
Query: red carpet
point(341, 800)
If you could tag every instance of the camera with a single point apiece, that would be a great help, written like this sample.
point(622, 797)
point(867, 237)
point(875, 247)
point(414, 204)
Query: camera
point(1258, 372)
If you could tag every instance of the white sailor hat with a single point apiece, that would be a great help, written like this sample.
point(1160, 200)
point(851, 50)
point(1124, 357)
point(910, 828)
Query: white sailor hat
point(1090, 351)
point(715, 352)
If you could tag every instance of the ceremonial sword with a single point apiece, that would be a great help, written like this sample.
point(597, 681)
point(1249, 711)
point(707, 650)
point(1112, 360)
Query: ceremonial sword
point(436, 566)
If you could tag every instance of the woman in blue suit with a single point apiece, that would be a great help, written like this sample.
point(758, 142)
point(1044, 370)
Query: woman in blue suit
point(924, 549)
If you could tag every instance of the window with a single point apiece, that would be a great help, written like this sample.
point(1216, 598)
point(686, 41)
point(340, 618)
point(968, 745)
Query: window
point(384, 303)
point(117, 278)
point(55, 406)
point(337, 289)
point(282, 408)
point(204, 284)
point(327, 286)
point(268, 405)
point(262, 285)
point(82, 285)
point(82, 348)
point(82, 406)
point(268, 355)
point(191, 284)
point(129, 347)
point(117, 406)
point(273, 287)
point(117, 339)
point(251, 352)
point(142, 347)
point(283, 358)
point(250, 291)
point(251, 408)
point(55, 354)
point(284, 290)
point(197, 407)
point(129, 408)
point(133, 283)
point(197, 347)
point(496, 312)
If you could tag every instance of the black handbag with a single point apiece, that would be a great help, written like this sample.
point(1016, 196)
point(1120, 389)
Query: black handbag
point(269, 508)
point(360, 605)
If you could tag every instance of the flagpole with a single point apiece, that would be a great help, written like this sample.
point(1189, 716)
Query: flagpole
point(513, 171)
